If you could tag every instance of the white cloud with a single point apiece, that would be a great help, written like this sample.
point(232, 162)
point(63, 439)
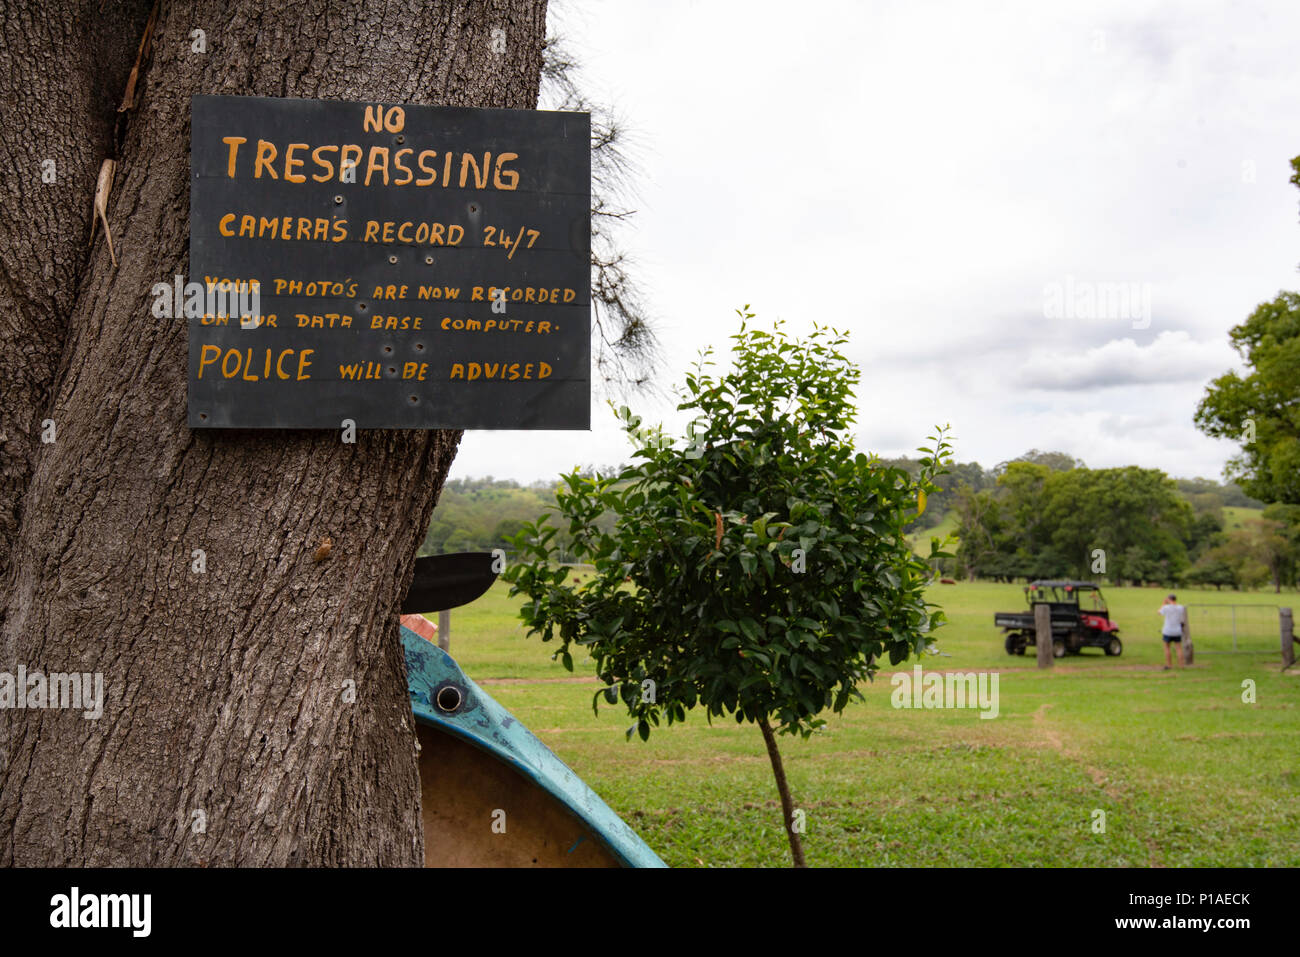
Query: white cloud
point(1172, 357)
point(918, 173)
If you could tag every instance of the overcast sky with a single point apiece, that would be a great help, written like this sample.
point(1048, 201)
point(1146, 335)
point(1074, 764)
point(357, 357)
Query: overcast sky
point(950, 182)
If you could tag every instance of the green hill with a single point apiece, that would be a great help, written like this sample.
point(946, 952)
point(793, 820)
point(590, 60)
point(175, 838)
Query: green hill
point(920, 539)
point(1234, 516)
point(477, 514)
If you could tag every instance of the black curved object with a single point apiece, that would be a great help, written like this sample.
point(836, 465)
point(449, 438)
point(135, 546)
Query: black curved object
point(448, 581)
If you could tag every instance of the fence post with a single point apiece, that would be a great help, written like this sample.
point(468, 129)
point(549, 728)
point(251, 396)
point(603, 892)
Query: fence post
point(1186, 650)
point(1288, 638)
point(444, 630)
point(1043, 634)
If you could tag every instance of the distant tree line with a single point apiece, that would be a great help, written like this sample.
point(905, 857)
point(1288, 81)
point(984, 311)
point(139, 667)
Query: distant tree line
point(1047, 515)
point(1041, 515)
point(480, 514)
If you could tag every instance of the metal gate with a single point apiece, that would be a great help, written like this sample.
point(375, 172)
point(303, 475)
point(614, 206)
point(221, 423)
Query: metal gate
point(1233, 629)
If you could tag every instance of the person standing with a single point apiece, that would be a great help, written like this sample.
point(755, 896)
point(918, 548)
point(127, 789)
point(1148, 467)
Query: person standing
point(1171, 631)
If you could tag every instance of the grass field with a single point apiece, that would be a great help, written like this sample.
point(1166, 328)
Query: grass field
point(1236, 516)
point(1186, 773)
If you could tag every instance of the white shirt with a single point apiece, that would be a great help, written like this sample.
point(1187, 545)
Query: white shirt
point(1173, 615)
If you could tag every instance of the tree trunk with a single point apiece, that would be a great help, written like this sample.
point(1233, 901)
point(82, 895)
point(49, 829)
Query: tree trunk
point(229, 734)
point(783, 788)
point(63, 84)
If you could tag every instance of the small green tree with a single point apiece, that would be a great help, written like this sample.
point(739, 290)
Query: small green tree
point(759, 569)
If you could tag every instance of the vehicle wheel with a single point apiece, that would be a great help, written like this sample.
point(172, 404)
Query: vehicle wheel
point(1058, 647)
point(1015, 645)
point(1114, 648)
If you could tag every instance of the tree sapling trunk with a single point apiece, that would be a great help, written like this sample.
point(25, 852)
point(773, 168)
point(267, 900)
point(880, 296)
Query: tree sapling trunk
point(783, 786)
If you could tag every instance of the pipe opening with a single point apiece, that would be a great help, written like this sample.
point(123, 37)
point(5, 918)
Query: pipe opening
point(448, 698)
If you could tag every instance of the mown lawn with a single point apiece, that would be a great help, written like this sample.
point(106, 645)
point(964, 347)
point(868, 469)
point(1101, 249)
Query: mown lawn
point(1186, 773)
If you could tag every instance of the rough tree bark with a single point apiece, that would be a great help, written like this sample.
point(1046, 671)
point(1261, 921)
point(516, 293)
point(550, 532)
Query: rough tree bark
point(59, 124)
point(224, 690)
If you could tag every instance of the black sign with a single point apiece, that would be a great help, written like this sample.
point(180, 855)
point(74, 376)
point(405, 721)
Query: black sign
point(395, 266)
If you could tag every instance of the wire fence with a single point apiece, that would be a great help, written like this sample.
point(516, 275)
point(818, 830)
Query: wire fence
point(1239, 629)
